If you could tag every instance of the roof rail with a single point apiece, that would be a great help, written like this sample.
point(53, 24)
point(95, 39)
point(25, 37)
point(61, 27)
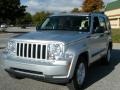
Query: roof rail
point(98, 12)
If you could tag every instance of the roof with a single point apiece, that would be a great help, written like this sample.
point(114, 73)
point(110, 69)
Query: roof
point(71, 14)
point(113, 5)
point(76, 14)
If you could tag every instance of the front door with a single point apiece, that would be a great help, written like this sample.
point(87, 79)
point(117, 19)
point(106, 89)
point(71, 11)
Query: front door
point(97, 40)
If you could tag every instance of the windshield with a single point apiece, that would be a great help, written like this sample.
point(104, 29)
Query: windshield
point(79, 23)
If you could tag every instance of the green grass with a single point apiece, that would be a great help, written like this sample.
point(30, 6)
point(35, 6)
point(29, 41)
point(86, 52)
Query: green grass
point(116, 35)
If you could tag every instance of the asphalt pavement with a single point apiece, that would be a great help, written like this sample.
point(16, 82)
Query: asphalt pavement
point(100, 77)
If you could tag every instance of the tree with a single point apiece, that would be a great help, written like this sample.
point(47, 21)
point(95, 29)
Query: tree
point(39, 17)
point(10, 10)
point(92, 5)
point(26, 19)
point(75, 10)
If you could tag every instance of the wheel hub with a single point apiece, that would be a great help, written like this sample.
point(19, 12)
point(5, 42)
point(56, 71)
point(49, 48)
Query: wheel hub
point(81, 74)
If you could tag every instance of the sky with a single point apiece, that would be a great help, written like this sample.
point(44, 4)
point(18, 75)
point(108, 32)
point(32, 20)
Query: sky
point(53, 5)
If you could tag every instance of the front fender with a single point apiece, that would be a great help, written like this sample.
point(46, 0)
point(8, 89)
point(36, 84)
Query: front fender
point(76, 50)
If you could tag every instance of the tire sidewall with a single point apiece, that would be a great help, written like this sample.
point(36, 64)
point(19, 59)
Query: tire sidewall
point(108, 57)
point(75, 82)
point(106, 61)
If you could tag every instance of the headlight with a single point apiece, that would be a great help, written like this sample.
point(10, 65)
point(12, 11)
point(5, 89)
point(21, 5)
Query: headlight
point(11, 46)
point(55, 51)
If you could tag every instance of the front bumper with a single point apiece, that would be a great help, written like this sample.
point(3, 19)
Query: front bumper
point(45, 72)
point(46, 78)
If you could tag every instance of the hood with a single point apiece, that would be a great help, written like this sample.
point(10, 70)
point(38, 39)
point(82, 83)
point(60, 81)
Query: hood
point(62, 36)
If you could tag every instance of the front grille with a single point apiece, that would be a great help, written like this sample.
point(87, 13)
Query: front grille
point(35, 51)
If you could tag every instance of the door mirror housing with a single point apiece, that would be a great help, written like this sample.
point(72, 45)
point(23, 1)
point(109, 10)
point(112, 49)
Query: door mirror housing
point(99, 30)
point(38, 27)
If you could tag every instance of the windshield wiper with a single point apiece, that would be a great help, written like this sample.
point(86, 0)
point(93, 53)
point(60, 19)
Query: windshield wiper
point(63, 30)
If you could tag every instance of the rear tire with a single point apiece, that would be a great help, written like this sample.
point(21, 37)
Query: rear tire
point(107, 57)
point(80, 75)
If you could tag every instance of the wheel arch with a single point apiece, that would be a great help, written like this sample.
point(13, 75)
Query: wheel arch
point(83, 54)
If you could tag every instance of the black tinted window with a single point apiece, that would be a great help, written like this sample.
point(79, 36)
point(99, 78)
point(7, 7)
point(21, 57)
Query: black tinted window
point(79, 23)
point(102, 23)
point(96, 23)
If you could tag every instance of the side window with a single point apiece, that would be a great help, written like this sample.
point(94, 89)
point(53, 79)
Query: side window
point(108, 24)
point(96, 23)
point(103, 23)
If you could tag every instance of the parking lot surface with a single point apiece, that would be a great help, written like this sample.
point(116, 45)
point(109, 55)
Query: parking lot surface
point(100, 77)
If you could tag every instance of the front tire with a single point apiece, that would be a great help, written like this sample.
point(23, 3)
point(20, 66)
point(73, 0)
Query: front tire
point(80, 74)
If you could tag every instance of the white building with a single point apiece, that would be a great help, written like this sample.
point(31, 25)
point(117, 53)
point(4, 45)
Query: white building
point(113, 12)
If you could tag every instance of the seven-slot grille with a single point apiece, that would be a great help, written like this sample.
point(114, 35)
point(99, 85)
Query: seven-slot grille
point(35, 51)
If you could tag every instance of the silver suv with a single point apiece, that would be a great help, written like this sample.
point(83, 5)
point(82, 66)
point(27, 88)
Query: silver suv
point(61, 50)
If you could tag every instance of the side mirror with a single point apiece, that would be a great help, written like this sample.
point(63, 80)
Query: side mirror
point(38, 27)
point(99, 30)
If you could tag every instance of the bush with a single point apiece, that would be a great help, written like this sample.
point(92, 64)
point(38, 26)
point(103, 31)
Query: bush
point(116, 35)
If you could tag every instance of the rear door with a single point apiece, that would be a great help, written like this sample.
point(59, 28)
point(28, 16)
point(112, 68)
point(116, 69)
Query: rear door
point(105, 39)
